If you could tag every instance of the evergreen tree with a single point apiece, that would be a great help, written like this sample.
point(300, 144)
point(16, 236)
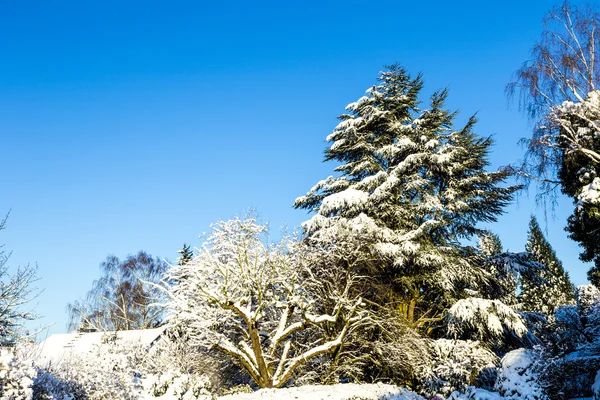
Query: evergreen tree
point(186, 255)
point(409, 189)
point(554, 289)
point(489, 244)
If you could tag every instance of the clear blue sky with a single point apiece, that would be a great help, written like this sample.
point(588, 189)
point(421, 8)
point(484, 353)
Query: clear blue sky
point(134, 125)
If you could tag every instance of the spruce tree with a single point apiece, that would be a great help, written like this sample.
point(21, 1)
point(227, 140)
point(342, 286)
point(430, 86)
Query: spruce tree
point(489, 244)
point(409, 189)
point(554, 289)
point(185, 255)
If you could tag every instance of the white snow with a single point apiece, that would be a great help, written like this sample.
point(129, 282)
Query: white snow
point(516, 380)
point(349, 198)
point(334, 392)
point(590, 194)
point(60, 346)
point(596, 385)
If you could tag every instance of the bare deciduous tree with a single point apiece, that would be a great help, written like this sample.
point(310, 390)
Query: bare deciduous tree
point(123, 297)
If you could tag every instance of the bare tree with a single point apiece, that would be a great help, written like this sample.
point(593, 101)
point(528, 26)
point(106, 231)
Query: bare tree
point(123, 298)
point(255, 303)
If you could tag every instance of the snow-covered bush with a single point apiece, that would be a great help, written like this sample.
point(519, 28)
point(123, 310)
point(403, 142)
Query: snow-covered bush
point(175, 385)
point(173, 366)
point(517, 377)
point(457, 364)
point(16, 377)
point(567, 361)
point(596, 386)
point(254, 303)
point(587, 297)
point(111, 371)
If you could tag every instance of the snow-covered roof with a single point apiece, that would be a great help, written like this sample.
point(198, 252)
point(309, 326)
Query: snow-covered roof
point(63, 345)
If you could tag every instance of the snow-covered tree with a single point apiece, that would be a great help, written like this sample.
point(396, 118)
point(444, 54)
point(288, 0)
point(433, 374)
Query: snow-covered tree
point(563, 68)
point(185, 254)
point(16, 291)
point(409, 189)
point(559, 89)
point(257, 304)
point(579, 174)
point(489, 321)
point(489, 244)
point(552, 287)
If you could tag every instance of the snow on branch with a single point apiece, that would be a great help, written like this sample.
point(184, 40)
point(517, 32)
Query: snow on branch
point(485, 320)
point(250, 301)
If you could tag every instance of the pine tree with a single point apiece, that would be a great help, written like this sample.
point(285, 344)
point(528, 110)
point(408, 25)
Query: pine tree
point(186, 255)
point(554, 289)
point(409, 189)
point(489, 244)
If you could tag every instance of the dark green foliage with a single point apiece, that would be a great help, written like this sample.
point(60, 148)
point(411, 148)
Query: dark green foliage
point(489, 244)
point(186, 254)
point(552, 288)
point(410, 189)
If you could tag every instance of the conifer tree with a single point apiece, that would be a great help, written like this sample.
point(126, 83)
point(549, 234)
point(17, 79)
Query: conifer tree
point(554, 289)
point(409, 189)
point(489, 244)
point(186, 255)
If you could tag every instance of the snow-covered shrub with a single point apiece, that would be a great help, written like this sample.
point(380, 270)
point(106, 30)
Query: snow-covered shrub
point(571, 375)
point(16, 376)
point(111, 371)
point(457, 364)
point(587, 297)
point(596, 386)
point(518, 378)
point(178, 386)
point(567, 362)
point(174, 355)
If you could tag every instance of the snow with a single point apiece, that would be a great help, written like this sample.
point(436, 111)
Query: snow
point(349, 198)
point(485, 317)
point(334, 392)
point(516, 380)
point(476, 394)
point(596, 385)
point(60, 346)
point(590, 194)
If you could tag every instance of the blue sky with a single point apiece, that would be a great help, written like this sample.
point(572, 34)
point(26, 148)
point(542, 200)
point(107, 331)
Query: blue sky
point(134, 125)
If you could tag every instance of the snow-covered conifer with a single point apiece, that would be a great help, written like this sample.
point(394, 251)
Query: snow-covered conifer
point(489, 321)
point(553, 288)
point(409, 188)
point(579, 173)
point(489, 244)
point(185, 254)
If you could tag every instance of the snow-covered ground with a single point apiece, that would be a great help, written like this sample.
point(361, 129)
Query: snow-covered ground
point(333, 392)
